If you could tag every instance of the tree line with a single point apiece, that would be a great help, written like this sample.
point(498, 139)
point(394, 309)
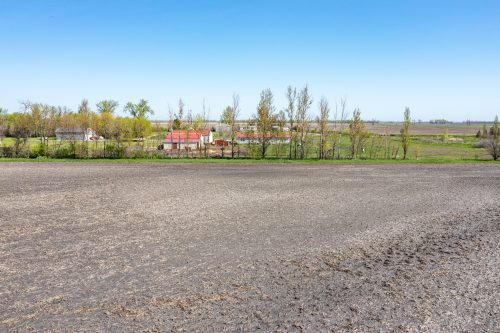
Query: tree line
point(38, 120)
point(337, 133)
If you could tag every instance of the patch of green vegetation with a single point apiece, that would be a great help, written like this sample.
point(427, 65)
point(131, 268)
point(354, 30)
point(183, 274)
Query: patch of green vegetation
point(377, 149)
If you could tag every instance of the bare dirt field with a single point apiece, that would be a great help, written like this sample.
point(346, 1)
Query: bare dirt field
point(286, 248)
point(423, 129)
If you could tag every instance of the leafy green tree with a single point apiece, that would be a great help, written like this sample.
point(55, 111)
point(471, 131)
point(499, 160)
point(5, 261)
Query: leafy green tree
point(405, 133)
point(446, 134)
point(225, 117)
point(484, 134)
point(494, 130)
point(107, 106)
point(122, 129)
point(198, 122)
point(3, 123)
point(264, 120)
point(140, 112)
point(141, 128)
point(21, 129)
point(104, 124)
point(177, 124)
point(492, 143)
point(357, 133)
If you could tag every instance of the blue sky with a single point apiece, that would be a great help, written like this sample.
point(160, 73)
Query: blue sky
point(440, 58)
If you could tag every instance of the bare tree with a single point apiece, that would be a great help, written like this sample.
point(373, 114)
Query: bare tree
point(170, 118)
point(223, 133)
point(40, 120)
point(338, 127)
point(234, 118)
point(322, 120)
point(291, 95)
point(230, 117)
point(189, 128)
point(304, 102)
point(279, 131)
point(405, 133)
point(84, 106)
point(205, 114)
point(179, 116)
point(265, 119)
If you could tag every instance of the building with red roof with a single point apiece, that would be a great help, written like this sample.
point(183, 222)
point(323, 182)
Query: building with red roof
point(181, 139)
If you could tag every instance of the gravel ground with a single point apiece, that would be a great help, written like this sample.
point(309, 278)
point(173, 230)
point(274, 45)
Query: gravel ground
point(287, 248)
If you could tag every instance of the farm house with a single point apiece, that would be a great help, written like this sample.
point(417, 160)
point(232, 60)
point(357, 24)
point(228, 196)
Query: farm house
point(206, 136)
point(181, 139)
point(76, 134)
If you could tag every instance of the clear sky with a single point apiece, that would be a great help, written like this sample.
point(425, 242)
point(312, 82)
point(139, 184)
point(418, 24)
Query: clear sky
point(440, 58)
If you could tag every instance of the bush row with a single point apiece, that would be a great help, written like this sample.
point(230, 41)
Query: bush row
point(79, 151)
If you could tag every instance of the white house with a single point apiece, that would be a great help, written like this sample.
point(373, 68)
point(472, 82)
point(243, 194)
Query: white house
point(76, 134)
point(181, 139)
point(207, 137)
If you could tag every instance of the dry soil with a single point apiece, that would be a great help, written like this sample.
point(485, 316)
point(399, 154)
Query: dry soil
point(286, 248)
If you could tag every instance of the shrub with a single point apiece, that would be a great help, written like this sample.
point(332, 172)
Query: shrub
point(40, 150)
point(7, 152)
point(114, 151)
point(63, 152)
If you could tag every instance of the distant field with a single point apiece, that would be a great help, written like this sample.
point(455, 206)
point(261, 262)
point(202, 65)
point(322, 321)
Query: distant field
point(424, 129)
point(393, 128)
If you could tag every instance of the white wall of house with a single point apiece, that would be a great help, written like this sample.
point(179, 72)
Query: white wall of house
point(167, 145)
point(76, 134)
point(207, 139)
